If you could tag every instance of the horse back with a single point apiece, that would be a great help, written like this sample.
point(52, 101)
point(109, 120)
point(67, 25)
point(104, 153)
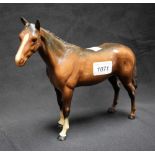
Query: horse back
point(121, 57)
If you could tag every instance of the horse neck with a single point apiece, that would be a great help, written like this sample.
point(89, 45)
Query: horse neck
point(52, 48)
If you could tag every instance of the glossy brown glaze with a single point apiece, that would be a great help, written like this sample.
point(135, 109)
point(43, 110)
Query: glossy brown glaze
point(69, 66)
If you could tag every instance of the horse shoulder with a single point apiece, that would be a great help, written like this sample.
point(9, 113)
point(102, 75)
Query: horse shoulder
point(64, 70)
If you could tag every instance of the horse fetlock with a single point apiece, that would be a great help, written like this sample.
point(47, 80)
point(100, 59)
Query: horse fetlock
point(132, 116)
point(61, 120)
point(65, 128)
point(60, 126)
point(111, 110)
point(63, 133)
point(133, 110)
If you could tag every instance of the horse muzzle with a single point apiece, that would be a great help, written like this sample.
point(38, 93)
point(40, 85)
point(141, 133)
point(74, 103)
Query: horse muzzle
point(20, 62)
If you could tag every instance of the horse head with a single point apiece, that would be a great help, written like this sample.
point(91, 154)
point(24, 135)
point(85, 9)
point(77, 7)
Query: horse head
point(30, 39)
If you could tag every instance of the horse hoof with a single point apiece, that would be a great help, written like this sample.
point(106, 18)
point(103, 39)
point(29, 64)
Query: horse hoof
point(60, 125)
point(111, 110)
point(61, 138)
point(132, 117)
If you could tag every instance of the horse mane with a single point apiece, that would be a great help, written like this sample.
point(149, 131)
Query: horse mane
point(52, 37)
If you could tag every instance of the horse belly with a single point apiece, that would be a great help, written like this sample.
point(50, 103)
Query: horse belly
point(96, 69)
point(91, 80)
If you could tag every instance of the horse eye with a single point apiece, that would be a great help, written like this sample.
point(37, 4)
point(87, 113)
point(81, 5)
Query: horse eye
point(34, 40)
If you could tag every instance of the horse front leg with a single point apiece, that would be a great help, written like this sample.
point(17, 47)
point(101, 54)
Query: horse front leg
point(59, 100)
point(67, 97)
point(60, 103)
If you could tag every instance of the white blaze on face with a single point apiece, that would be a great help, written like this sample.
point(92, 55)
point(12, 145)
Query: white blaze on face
point(33, 29)
point(19, 53)
point(95, 48)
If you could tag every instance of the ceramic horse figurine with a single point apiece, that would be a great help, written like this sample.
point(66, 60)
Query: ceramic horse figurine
point(69, 66)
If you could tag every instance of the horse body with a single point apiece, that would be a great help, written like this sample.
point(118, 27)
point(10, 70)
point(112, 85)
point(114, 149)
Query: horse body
point(69, 66)
point(77, 67)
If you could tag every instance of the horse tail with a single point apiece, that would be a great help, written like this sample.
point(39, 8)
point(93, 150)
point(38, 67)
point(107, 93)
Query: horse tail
point(134, 80)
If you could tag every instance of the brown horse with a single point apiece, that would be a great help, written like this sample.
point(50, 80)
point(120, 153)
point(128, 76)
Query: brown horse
point(69, 66)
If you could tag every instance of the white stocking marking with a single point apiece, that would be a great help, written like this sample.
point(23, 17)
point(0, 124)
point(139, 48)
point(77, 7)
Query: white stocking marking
point(61, 121)
point(65, 128)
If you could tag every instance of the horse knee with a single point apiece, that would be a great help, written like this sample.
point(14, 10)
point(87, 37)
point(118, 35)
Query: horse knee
point(66, 111)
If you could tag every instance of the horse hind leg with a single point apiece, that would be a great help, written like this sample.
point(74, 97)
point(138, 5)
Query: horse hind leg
point(130, 87)
point(116, 86)
point(134, 79)
point(134, 82)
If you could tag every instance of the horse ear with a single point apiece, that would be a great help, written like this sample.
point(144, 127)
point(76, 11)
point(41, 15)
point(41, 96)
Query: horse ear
point(37, 25)
point(23, 20)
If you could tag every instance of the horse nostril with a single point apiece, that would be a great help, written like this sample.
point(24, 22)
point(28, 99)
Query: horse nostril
point(21, 61)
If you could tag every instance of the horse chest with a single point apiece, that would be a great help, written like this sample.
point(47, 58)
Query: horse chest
point(58, 77)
